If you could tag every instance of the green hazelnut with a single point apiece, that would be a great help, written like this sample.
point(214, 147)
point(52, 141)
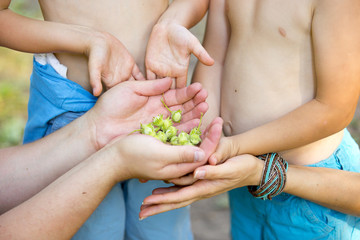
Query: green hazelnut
point(195, 139)
point(161, 136)
point(176, 116)
point(174, 140)
point(166, 124)
point(158, 120)
point(170, 132)
point(148, 129)
point(183, 138)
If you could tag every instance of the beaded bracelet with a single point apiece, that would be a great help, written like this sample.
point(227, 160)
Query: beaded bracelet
point(273, 177)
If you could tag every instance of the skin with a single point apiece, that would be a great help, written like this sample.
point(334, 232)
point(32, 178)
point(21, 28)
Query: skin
point(59, 152)
point(45, 203)
point(306, 56)
point(140, 27)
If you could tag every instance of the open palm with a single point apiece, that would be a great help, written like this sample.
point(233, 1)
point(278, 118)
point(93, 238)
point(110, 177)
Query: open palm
point(121, 109)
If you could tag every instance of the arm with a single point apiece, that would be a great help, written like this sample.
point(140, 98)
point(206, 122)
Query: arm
point(171, 43)
point(103, 50)
point(216, 41)
point(29, 168)
point(335, 189)
point(336, 49)
point(59, 210)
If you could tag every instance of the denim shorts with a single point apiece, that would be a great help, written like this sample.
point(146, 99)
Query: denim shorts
point(289, 217)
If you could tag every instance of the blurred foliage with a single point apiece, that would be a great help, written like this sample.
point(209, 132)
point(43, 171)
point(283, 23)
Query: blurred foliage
point(15, 70)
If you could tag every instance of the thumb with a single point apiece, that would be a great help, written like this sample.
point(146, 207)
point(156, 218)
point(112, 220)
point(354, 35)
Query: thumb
point(151, 87)
point(221, 171)
point(224, 151)
point(199, 51)
point(95, 80)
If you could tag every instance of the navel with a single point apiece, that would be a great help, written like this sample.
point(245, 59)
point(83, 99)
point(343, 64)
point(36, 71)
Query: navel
point(282, 32)
point(227, 128)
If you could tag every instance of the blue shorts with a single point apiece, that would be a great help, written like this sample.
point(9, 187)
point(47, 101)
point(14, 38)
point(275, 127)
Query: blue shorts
point(56, 101)
point(290, 217)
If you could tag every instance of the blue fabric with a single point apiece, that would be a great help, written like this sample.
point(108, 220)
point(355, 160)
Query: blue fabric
point(290, 217)
point(50, 96)
point(55, 102)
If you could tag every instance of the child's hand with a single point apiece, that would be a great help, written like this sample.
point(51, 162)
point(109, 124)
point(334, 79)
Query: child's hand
point(226, 149)
point(236, 172)
point(168, 53)
point(121, 109)
point(109, 62)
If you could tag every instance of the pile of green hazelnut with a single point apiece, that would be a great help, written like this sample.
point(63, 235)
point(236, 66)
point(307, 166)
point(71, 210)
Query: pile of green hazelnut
point(163, 129)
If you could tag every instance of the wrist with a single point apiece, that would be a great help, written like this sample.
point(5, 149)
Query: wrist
point(256, 173)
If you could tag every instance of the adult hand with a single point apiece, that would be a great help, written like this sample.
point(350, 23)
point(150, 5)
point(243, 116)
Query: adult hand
point(121, 109)
point(236, 172)
point(168, 52)
point(109, 62)
point(210, 141)
point(145, 157)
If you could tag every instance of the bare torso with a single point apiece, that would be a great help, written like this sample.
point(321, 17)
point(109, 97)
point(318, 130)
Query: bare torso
point(130, 21)
point(269, 69)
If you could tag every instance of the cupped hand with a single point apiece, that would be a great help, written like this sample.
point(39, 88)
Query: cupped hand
point(236, 172)
point(109, 63)
point(121, 109)
point(145, 157)
point(168, 52)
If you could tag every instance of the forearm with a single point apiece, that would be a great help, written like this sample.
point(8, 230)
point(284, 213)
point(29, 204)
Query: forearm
point(59, 210)
point(29, 168)
point(332, 188)
point(306, 124)
point(36, 36)
point(185, 12)
point(335, 189)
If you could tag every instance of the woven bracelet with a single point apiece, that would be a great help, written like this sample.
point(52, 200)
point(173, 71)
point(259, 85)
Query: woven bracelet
point(273, 177)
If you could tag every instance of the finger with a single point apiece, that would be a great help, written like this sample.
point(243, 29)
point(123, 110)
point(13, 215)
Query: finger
point(221, 171)
point(150, 210)
point(95, 80)
point(199, 51)
point(182, 154)
point(196, 112)
point(150, 75)
point(223, 152)
point(181, 194)
point(185, 180)
point(188, 125)
point(182, 95)
point(150, 88)
point(212, 137)
point(182, 81)
point(199, 98)
point(137, 74)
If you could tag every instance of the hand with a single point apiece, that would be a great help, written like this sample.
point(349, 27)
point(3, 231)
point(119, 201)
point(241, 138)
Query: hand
point(224, 151)
point(142, 156)
point(210, 140)
point(109, 62)
point(236, 172)
point(120, 110)
point(168, 52)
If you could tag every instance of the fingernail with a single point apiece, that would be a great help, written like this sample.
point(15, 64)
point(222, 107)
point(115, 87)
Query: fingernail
point(199, 156)
point(141, 218)
point(199, 174)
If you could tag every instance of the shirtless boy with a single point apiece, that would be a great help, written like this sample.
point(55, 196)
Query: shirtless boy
point(286, 80)
point(63, 84)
